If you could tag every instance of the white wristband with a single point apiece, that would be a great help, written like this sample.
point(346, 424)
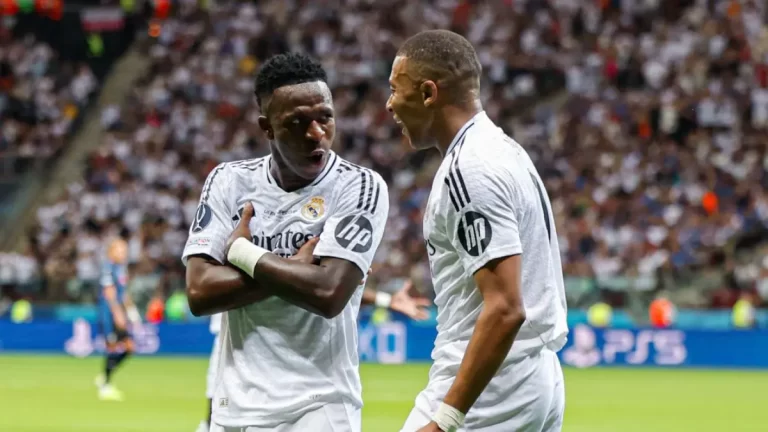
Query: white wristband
point(133, 315)
point(383, 300)
point(244, 255)
point(448, 418)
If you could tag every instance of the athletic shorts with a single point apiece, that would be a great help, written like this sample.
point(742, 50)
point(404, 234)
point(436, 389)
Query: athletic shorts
point(535, 401)
point(213, 367)
point(111, 333)
point(336, 417)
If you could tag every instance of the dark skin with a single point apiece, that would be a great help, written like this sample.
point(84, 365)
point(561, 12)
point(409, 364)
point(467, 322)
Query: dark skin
point(432, 109)
point(299, 121)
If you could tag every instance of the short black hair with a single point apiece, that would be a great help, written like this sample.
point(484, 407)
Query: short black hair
point(445, 55)
point(287, 69)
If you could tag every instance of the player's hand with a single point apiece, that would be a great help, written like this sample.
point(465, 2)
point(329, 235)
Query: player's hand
point(431, 427)
point(242, 230)
point(413, 307)
point(306, 253)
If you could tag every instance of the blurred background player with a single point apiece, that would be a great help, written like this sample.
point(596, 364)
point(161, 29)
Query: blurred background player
point(492, 248)
point(116, 311)
point(401, 301)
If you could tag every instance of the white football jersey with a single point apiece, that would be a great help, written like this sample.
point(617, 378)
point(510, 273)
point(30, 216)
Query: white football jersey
point(279, 361)
point(487, 202)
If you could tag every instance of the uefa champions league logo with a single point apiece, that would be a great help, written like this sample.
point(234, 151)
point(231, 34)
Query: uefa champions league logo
point(82, 343)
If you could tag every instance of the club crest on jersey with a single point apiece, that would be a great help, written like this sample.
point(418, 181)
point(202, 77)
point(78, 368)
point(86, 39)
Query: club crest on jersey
point(314, 209)
point(203, 217)
point(474, 233)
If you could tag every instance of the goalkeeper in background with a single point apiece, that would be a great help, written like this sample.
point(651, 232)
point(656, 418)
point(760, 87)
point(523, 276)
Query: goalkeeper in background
point(116, 310)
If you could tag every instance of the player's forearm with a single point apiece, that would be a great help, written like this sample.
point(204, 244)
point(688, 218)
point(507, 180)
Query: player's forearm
point(219, 288)
point(369, 296)
point(117, 311)
point(310, 286)
point(495, 331)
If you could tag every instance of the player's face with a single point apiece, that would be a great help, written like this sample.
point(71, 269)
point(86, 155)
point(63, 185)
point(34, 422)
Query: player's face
point(118, 252)
point(300, 122)
point(410, 104)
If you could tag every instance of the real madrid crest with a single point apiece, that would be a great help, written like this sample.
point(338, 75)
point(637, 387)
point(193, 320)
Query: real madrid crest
point(314, 209)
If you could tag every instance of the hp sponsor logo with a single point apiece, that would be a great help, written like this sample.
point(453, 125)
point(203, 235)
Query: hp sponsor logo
point(474, 232)
point(355, 233)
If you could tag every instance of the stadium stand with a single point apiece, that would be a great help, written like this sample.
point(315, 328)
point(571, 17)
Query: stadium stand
point(647, 120)
point(41, 97)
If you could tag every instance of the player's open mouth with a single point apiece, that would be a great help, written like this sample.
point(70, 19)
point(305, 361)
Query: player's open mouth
point(316, 157)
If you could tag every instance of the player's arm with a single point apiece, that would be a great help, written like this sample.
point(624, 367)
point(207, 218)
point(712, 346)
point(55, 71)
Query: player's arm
point(482, 224)
point(345, 249)
point(110, 295)
point(401, 301)
point(495, 330)
point(130, 309)
point(211, 285)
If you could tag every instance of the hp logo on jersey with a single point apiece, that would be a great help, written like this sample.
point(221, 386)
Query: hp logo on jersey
point(355, 233)
point(474, 233)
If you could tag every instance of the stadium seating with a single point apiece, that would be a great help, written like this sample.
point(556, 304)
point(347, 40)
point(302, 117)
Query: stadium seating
point(647, 121)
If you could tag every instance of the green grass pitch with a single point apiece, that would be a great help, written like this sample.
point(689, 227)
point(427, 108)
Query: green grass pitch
point(56, 394)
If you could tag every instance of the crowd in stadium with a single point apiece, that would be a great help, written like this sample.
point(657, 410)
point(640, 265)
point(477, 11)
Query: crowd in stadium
point(653, 154)
point(41, 96)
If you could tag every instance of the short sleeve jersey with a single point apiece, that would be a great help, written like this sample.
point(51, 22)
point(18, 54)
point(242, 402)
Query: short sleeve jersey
point(487, 202)
point(280, 361)
point(112, 275)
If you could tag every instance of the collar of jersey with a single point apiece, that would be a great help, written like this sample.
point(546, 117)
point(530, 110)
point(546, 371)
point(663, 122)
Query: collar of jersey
point(323, 174)
point(477, 118)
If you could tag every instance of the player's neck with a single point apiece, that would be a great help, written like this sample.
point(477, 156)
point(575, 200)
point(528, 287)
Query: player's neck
point(287, 180)
point(450, 122)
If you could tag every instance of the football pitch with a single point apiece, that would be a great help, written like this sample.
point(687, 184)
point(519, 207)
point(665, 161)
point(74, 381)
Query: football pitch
point(56, 394)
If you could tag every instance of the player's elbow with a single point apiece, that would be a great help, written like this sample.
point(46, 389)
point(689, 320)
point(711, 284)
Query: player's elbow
point(510, 316)
point(199, 299)
point(330, 305)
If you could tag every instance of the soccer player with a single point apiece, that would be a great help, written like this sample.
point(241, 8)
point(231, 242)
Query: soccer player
point(401, 301)
point(493, 253)
point(281, 244)
point(115, 311)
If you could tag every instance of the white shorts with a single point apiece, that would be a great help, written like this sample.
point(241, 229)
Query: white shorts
point(336, 417)
point(213, 367)
point(534, 402)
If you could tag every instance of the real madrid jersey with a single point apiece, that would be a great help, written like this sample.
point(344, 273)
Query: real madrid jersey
point(278, 360)
point(487, 202)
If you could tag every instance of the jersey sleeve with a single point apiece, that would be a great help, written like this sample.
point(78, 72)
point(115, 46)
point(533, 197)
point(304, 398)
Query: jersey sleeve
point(482, 222)
point(212, 224)
point(107, 276)
point(355, 228)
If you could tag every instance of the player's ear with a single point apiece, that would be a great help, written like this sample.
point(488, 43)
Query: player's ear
point(266, 126)
point(428, 92)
